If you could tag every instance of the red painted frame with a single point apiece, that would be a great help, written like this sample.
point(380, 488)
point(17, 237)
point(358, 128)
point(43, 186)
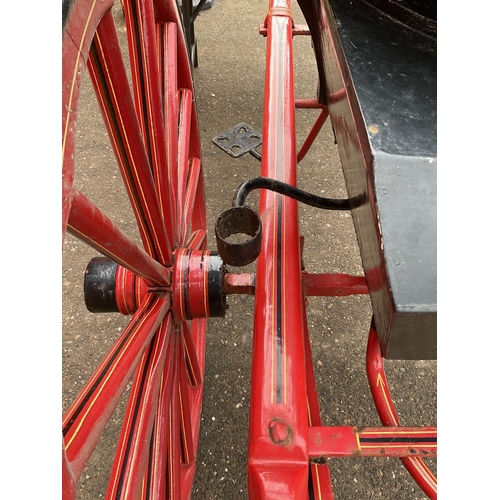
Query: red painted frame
point(287, 443)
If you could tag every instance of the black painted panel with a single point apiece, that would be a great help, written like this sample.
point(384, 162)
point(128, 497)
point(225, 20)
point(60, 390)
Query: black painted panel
point(379, 80)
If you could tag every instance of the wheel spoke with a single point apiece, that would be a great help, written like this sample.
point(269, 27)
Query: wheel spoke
point(185, 409)
point(193, 177)
point(185, 109)
point(197, 240)
point(147, 62)
point(89, 224)
point(199, 216)
point(87, 416)
point(192, 365)
point(167, 41)
point(174, 436)
point(169, 13)
point(139, 18)
point(155, 481)
point(110, 81)
point(153, 130)
point(133, 445)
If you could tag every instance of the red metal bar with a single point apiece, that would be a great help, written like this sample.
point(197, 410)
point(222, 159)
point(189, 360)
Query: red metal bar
point(315, 285)
point(318, 124)
point(107, 70)
point(89, 413)
point(199, 215)
point(333, 285)
point(346, 441)
point(242, 284)
point(89, 224)
point(315, 130)
point(278, 464)
point(319, 471)
point(388, 415)
point(297, 30)
point(308, 104)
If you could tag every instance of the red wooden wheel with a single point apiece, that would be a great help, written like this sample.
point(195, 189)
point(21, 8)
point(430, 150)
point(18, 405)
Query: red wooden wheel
point(153, 131)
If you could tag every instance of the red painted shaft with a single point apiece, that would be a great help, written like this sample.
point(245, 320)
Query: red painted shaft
point(319, 470)
point(318, 125)
point(278, 454)
point(346, 441)
point(315, 285)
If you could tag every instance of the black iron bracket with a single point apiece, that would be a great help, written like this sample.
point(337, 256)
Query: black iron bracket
point(239, 140)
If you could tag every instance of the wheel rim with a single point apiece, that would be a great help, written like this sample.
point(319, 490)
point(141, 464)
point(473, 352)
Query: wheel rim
point(163, 178)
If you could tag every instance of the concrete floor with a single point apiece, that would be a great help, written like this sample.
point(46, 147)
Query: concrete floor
point(229, 86)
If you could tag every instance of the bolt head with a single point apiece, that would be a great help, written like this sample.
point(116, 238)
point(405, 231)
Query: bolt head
point(280, 432)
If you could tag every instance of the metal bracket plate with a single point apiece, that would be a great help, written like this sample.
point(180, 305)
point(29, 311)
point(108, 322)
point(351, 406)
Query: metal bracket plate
point(238, 140)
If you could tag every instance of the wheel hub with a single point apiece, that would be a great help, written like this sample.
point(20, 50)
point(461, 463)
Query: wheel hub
point(196, 289)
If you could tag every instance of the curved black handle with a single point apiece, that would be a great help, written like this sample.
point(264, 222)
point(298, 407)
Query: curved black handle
point(293, 192)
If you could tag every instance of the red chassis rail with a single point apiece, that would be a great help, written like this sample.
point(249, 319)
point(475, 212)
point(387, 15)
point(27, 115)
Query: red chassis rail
point(287, 444)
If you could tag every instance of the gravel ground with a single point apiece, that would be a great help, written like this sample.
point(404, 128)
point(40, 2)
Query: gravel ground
point(229, 87)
